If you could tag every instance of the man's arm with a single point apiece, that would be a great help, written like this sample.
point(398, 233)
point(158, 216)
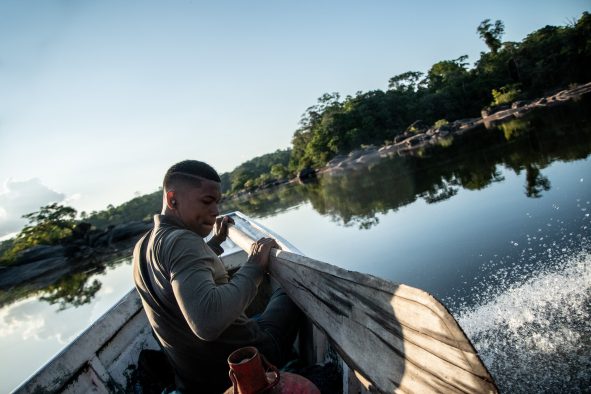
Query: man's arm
point(209, 308)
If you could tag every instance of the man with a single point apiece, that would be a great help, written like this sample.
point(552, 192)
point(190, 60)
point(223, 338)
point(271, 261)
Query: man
point(195, 310)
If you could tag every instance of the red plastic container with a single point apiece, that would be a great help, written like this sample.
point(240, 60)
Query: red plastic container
point(251, 373)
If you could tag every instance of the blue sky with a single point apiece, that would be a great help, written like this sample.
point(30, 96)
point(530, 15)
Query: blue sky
point(99, 98)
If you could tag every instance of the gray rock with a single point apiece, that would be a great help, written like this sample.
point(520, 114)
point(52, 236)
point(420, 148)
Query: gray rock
point(519, 104)
point(39, 252)
point(128, 230)
point(399, 138)
point(355, 154)
point(335, 160)
point(49, 269)
point(487, 111)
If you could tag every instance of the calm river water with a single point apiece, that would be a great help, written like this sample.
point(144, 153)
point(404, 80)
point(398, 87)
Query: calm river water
point(496, 224)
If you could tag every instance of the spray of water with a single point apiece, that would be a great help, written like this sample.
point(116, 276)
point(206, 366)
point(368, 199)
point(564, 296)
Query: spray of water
point(535, 336)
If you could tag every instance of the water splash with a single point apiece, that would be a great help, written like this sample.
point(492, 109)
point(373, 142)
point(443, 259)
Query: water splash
point(535, 336)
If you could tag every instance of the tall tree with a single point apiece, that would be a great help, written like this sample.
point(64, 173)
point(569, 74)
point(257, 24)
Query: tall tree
point(408, 81)
point(491, 34)
point(48, 226)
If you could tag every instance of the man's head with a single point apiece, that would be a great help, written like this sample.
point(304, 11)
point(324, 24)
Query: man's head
point(192, 193)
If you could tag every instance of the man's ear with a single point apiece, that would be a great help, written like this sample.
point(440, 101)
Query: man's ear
point(171, 200)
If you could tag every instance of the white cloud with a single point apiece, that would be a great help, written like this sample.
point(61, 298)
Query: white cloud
point(72, 199)
point(22, 197)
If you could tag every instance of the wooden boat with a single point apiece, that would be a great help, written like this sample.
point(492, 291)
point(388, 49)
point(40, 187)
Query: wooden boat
point(386, 337)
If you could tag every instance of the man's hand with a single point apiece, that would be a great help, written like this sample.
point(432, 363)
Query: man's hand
point(260, 251)
point(220, 229)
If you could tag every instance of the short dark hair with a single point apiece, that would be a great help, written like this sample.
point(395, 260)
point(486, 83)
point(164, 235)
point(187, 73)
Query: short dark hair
point(189, 171)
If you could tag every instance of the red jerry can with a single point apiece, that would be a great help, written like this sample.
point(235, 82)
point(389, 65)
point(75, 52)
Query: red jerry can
point(251, 373)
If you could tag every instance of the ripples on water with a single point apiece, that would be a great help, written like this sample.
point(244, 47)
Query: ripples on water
point(531, 322)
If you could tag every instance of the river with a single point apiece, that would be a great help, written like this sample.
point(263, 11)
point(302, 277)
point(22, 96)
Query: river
point(496, 224)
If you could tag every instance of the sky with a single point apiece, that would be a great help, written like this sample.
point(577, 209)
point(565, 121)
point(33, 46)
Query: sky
point(99, 98)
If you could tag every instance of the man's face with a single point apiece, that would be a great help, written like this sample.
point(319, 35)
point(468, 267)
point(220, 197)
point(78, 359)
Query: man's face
point(197, 207)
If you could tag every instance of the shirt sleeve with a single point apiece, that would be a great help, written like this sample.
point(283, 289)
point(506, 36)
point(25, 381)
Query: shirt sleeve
point(207, 307)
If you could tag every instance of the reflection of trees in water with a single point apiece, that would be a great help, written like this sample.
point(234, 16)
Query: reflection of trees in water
point(515, 128)
point(440, 192)
point(356, 197)
point(535, 182)
point(72, 290)
point(267, 202)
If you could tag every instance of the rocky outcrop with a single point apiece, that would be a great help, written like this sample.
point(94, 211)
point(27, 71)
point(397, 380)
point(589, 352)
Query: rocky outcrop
point(42, 265)
point(46, 271)
point(39, 252)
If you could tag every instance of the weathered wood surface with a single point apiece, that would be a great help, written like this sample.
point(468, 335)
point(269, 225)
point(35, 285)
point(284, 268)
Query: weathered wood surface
point(97, 359)
point(395, 337)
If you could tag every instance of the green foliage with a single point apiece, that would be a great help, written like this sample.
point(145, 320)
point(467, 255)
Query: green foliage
point(6, 245)
point(445, 142)
point(514, 128)
point(409, 81)
point(279, 171)
point(136, 209)
point(491, 34)
point(48, 226)
point(447, 72)
point(342, 126)
point(257, 171)
point(506, 94)
point(440, 122)
point(72, 290)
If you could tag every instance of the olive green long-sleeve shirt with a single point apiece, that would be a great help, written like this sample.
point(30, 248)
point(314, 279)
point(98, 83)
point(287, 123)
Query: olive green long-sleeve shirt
point(196, 312)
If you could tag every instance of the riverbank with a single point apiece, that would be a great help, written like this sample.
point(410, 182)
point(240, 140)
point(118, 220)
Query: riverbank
point(415, 142)
point(86, 252)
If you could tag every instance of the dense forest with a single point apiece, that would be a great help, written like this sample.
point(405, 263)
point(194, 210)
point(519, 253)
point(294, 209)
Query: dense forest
point(257, 172)
point(546, 60)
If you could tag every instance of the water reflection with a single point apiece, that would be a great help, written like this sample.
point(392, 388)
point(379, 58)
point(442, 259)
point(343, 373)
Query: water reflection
point(72, 289)
point(474, 161)
point(31, 331)
point(535, 182)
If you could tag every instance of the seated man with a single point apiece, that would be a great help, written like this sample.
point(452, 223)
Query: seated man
point(195, 310)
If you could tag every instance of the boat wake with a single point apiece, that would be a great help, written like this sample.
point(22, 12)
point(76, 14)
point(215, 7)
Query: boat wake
point(535, 336)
